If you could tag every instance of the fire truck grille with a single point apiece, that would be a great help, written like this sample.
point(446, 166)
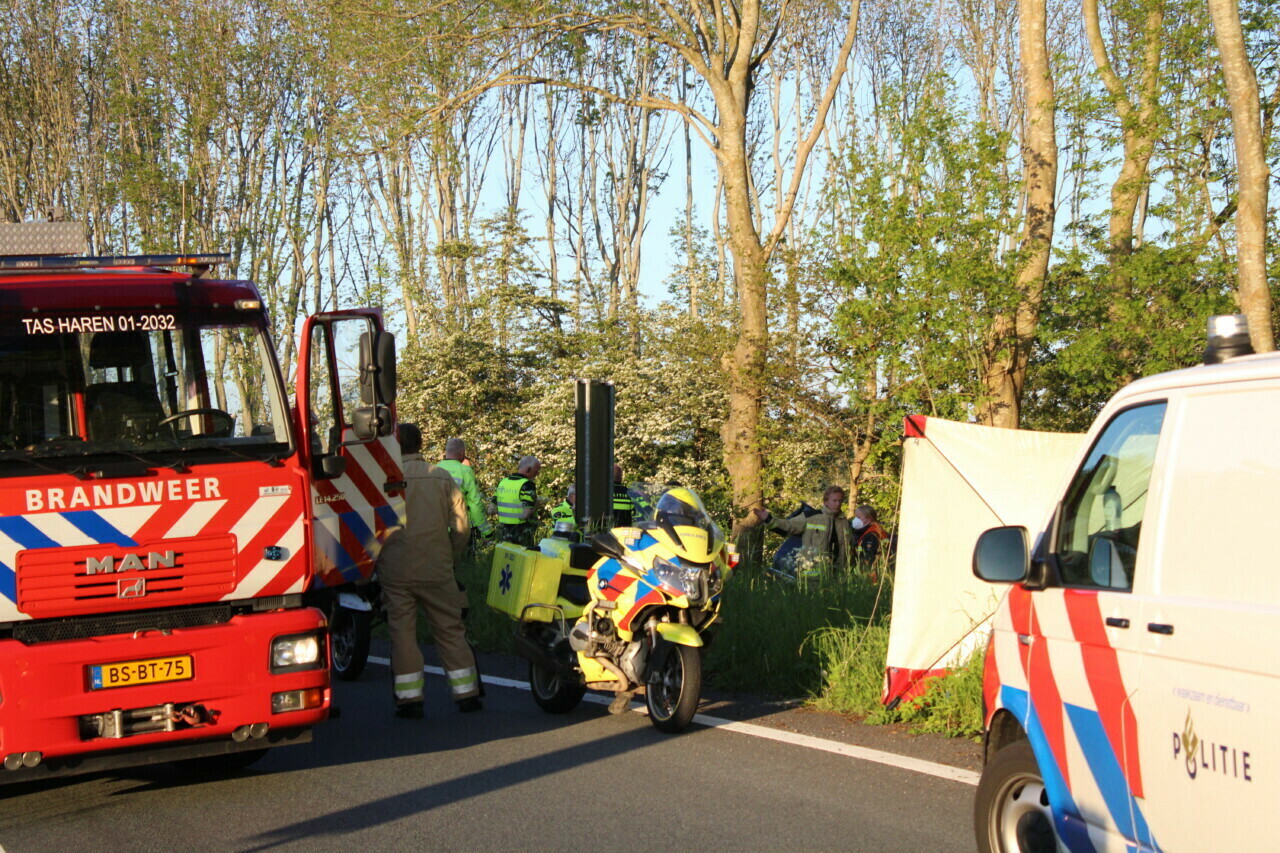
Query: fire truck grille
point(121, 623)
point(109, 578)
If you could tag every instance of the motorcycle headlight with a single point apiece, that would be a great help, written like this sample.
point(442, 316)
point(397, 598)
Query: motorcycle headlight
point(684, 579)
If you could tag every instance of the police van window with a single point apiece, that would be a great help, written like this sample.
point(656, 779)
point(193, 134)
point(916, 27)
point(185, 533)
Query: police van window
point(1222, 488)
point(1101, 521)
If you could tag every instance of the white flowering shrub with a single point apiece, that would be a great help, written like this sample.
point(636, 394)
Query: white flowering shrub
point(671, 400)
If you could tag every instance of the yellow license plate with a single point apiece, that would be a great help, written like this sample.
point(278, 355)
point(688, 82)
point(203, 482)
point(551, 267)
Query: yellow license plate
point(151, 671)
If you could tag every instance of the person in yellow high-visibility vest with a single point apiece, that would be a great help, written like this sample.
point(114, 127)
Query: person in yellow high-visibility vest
point(416, 567)
point(454, 461)
point(564, 511)
point(517, 500)
point(623, 507)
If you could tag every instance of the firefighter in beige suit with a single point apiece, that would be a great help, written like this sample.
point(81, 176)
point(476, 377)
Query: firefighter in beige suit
point(416, 567)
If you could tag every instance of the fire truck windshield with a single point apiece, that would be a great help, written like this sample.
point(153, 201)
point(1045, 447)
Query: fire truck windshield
point(160, 387)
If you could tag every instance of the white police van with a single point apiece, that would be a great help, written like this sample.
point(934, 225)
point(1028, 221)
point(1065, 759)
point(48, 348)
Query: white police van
point(1132, 683)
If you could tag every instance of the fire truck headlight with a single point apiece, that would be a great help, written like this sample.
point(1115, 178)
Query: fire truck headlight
point(297, 652)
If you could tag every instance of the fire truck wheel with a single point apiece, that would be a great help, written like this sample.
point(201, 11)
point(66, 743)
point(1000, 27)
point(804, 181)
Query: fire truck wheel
point(1011, 810)
point(349, 634)
point(219, 765)
point(554, 694)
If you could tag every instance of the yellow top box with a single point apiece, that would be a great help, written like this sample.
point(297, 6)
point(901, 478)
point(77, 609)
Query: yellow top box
point(520, 577)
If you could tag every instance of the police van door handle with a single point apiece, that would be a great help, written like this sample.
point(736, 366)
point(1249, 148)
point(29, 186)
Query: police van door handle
point(1117, 622)
point(1159, 628)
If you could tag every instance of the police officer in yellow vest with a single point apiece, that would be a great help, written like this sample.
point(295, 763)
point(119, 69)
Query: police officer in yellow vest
point(455, 451)
point(517, 500)
point(623, 508)
point(416, 568)
point(564, 511)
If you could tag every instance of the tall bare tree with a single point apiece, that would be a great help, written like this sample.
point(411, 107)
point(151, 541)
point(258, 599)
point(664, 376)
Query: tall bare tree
point(1252, 292)
point(1137, 111)
point(1008, 346)
point(726, 45)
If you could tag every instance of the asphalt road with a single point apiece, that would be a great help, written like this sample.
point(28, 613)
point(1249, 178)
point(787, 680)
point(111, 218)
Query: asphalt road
point(514, 778)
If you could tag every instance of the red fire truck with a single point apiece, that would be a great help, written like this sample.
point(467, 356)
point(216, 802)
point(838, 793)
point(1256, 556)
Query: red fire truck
point(164, 509)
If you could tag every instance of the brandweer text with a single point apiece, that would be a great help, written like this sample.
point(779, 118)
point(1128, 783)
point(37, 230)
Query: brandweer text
point(123, 494)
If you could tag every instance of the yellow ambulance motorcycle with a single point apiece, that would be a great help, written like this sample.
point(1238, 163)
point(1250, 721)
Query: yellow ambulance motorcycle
point(629, 613)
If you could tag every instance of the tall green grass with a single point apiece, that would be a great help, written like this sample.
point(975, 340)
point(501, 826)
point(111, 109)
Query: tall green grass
point(763, 645)
point(854, 660)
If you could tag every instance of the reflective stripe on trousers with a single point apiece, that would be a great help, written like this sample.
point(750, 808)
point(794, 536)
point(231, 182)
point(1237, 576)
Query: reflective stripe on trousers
point(409, 687)
point(463, 682)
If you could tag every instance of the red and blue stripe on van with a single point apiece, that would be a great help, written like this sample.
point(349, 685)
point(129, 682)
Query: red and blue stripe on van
point(1049, 719)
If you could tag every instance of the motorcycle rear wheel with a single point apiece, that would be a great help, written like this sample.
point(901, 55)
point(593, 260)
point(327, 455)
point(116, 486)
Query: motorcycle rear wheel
point(553, 693)
point(675, 686)
point(349, 635)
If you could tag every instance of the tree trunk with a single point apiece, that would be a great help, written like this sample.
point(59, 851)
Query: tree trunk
point(1137, 123)
point(1252, 292)
point(1008, 347)
point(744, 365)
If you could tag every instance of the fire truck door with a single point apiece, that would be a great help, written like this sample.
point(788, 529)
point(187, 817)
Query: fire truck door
point(346, 400)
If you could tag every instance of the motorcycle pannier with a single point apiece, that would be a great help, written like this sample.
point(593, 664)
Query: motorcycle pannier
point(520, 577)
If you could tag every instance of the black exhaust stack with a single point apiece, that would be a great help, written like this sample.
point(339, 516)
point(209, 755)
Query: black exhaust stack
point(594, 471)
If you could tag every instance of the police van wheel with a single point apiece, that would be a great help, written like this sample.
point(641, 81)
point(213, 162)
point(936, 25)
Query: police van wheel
point(553, 693)
point(1011, 811)
point(349, 635)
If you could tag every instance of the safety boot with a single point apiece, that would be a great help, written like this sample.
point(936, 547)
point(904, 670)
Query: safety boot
point(621, 703)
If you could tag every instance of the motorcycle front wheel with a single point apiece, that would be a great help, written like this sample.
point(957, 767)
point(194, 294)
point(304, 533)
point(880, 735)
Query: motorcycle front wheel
point(349, 634)
point(553, 693)
point(674, 688)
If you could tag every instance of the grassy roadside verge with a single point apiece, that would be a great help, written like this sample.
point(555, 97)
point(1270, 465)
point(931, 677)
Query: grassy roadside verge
point(825, 643)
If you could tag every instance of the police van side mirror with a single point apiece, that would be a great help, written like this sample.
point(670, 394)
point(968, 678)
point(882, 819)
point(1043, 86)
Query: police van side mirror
point(1001, 555)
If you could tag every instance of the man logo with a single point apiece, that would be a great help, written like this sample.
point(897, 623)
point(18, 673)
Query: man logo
point(131, 589)
point(130, 563)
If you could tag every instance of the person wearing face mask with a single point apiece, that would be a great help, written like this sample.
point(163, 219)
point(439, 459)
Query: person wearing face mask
point(868, 535)
point(825, 534)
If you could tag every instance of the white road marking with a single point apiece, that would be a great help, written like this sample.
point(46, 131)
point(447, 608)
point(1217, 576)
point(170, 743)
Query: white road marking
point(915, 765)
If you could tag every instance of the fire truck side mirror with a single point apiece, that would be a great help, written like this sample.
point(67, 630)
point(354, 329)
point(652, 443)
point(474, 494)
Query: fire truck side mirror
point(368, 422)
point(377, 368)
point(331, 466)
